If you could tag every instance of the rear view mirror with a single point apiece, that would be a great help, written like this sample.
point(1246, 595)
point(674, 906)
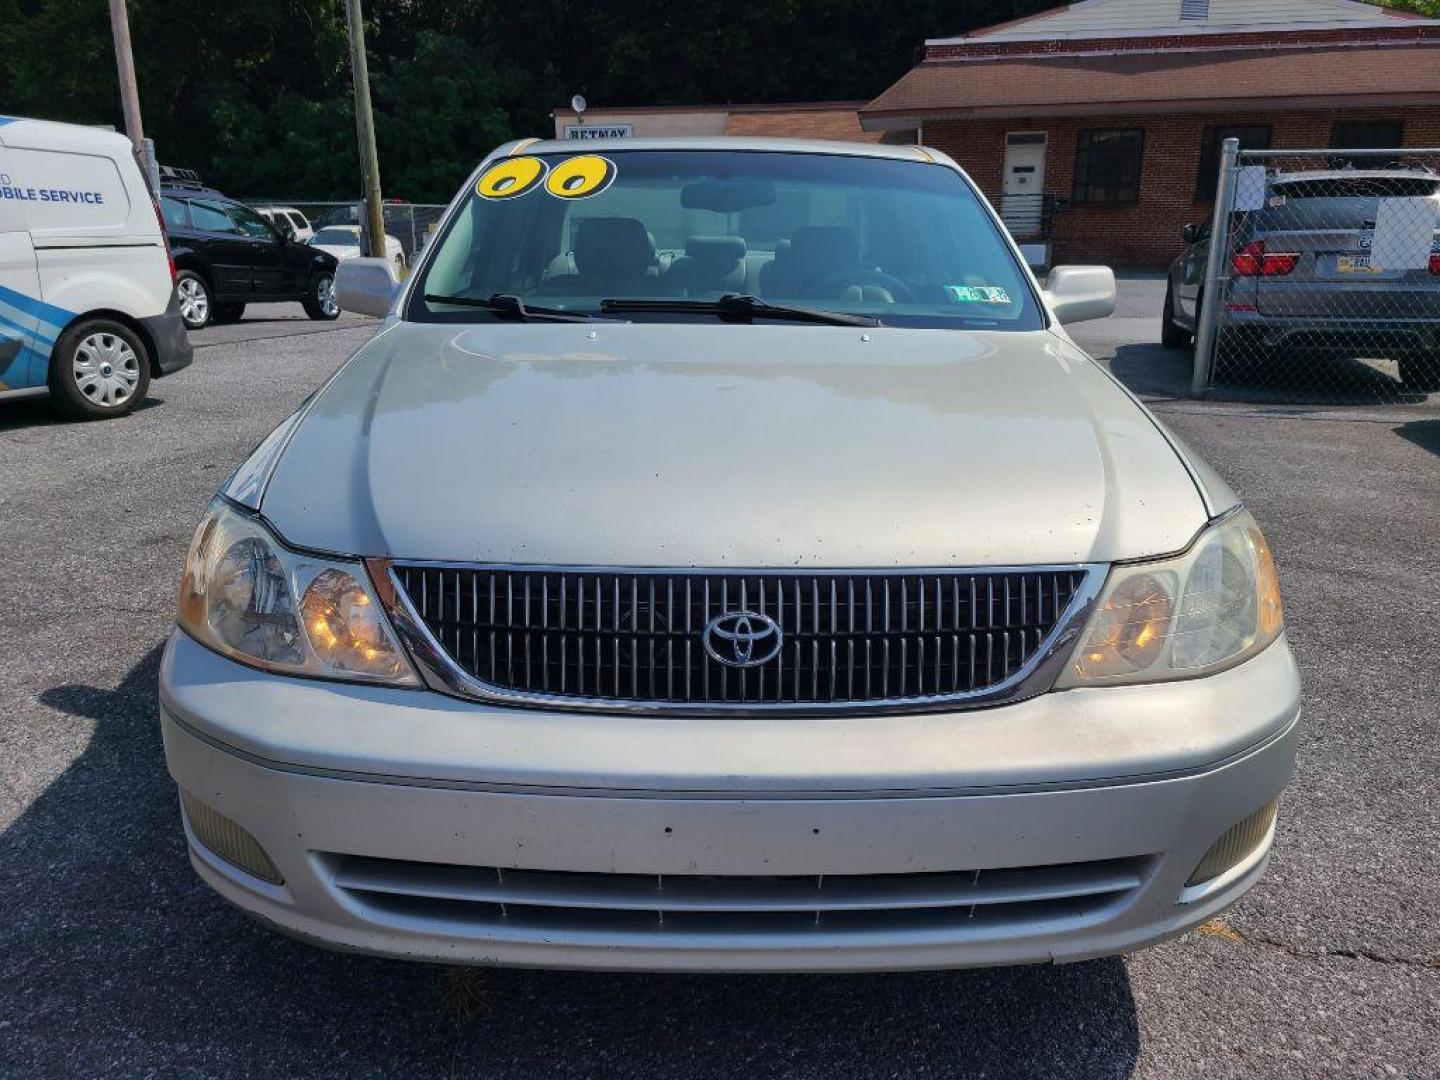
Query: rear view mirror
point(727, 196)
point(1078, 293)
point(366, 286)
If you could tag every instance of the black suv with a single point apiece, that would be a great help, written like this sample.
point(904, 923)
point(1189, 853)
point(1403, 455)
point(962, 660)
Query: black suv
point(227, 255)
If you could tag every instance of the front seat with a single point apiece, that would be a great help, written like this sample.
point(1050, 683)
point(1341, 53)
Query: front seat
point(614, 256)
point(711, 264)
point(817, 253)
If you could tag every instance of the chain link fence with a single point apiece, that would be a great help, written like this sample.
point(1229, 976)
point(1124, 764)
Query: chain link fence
point(1325, 269)
point(410, 224)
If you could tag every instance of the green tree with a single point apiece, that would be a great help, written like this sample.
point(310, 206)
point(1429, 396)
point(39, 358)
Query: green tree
point(256, 95)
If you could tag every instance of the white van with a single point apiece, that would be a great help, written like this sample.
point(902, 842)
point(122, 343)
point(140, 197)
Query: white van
point(88, 312)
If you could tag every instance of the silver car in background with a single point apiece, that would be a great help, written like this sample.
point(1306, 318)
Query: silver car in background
point(1301, 276)
point(721, 558)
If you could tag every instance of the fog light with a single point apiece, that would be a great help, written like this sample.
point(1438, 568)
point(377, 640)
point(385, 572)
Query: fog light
point(228, 840)
point(1238, 842)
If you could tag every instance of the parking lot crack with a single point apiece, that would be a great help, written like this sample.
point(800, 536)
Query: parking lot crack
point(1221, 929)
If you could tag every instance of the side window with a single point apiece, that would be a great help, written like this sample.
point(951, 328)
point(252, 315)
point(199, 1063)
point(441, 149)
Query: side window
point(209, 217)
point(251, 223)
point(296, 220)
point(176, 214)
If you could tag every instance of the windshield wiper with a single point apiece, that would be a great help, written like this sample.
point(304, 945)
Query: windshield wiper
point(734, 307)
point(513, 307)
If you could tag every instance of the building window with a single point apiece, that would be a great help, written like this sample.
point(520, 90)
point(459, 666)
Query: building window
point(1107, 165)
point(1366, 135)
point(1251, 136)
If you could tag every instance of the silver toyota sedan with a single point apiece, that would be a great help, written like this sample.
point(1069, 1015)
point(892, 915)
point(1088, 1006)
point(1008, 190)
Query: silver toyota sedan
point(721, 558)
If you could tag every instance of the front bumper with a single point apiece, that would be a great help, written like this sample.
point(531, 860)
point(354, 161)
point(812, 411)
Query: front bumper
point(171, 342)
point(385, 860)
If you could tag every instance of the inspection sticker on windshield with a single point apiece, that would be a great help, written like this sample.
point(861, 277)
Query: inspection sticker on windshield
point(574, 178)
point(978, 294)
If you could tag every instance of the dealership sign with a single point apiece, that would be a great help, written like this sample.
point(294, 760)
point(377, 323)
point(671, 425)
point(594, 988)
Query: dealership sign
point(599, 131)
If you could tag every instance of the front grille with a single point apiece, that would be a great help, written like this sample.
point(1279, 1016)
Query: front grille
point(476, 899)
point(632, 636)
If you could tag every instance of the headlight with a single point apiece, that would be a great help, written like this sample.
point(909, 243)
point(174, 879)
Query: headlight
point(1210, 608)
point(245, 595)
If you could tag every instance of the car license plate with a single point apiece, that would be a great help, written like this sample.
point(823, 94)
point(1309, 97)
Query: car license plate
point(1355, 264)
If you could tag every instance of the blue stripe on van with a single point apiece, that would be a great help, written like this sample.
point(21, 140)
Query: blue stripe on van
point(27, 328)
point(37, 325)
point(55, 316)
point(7, 120)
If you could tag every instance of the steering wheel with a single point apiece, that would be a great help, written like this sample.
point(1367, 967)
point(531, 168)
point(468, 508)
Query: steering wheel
point(845, 278)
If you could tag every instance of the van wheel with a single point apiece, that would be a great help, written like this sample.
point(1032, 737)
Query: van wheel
point(196, 303)
point(1420, 371)
point(229, 312)
point(99, 369)
point(320, 302)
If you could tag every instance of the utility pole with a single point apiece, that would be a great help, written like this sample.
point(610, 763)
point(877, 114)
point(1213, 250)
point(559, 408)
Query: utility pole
point(130, 91)
point(365, 131)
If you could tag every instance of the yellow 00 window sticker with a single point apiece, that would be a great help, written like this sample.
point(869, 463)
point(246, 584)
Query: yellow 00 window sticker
point(574, 178)
point(580, 177)
point(510, 178)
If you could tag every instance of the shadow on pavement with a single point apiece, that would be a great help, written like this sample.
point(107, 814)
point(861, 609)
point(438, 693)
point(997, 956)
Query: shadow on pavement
point(1302, 379)
point(115, 958)
point(1423, 433)
point(38, 412)
point(1151, 370)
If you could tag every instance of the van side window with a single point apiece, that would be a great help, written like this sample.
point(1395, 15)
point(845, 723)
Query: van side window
point(176, 214)
point(209, 217)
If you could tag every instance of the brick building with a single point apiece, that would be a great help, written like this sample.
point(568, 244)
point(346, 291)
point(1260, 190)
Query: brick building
point(1097, 125)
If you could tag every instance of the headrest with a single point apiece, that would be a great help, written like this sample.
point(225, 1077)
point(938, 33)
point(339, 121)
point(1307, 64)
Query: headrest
point(715, 252)
point(824, 249)
point(613, 245)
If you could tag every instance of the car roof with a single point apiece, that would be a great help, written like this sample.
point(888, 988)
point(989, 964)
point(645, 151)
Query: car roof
point(742, 144)
point(1302, 175)
point(182, 191)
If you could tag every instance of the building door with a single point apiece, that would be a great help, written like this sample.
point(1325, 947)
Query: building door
point(1022, 200)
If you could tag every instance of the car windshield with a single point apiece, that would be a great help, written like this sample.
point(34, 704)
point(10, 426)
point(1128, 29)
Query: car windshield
point(903, 241)
point(1339, 202)
point(338, 237)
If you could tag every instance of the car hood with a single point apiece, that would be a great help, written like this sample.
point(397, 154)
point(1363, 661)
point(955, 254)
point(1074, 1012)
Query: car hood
point(666, 444)
point(337, 251)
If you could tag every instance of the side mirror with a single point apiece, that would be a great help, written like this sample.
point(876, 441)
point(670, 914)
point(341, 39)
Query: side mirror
point(1196, 234)
point(1078, 293)
point(366, 286)
point(287, 231)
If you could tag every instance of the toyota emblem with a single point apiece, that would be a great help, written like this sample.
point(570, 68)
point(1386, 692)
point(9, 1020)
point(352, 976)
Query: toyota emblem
point(743, 639)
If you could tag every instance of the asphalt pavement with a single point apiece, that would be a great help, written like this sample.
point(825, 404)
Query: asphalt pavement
point(115, 959)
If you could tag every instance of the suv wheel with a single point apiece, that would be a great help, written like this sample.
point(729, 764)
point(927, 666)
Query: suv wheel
point(196, 304)
point(1420, 371)
point(320, 300)
point(99, 369)
point(1172, 334)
